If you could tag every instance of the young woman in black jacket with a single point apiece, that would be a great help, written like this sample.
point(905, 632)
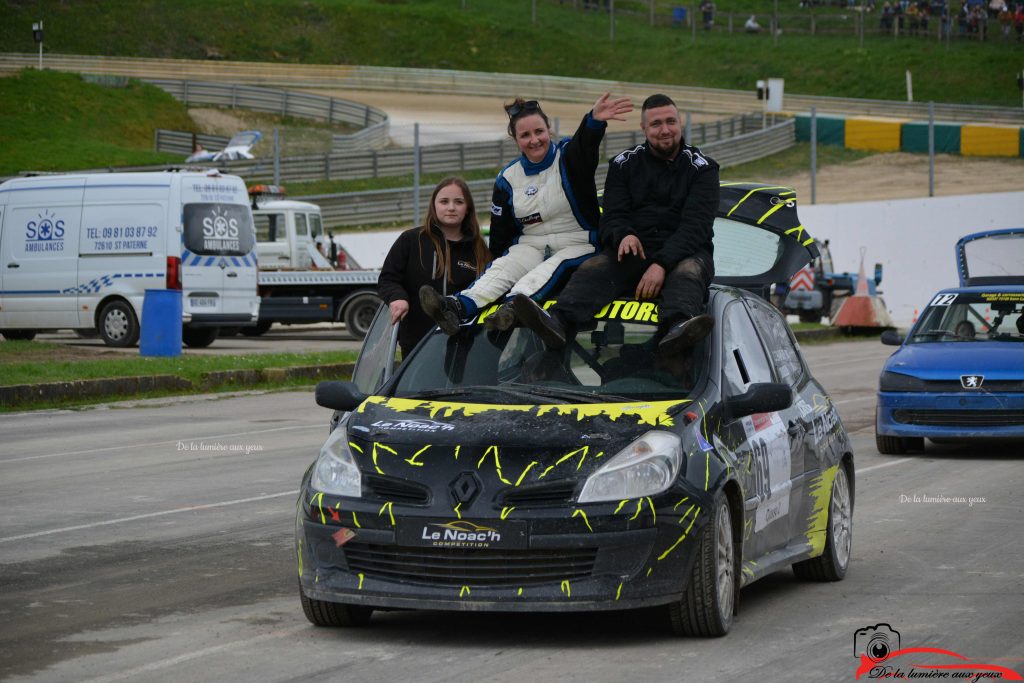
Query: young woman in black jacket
point(446, 253)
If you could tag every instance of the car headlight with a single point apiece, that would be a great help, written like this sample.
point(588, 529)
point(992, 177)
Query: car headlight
point(645, 467)
point(894, 381)
point(336, 470)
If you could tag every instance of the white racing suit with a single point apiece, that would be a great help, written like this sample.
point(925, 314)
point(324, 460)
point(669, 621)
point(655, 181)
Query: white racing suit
point(544, 219)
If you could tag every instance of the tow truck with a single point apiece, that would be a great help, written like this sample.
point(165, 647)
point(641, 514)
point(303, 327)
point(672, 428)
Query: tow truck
point(298, 283)
point(817, 290)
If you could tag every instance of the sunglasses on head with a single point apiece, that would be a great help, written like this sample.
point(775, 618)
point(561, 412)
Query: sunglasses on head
point(515, 109)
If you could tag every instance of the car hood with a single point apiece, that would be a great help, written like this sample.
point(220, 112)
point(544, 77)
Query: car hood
point(574, 439)
point(948, 361)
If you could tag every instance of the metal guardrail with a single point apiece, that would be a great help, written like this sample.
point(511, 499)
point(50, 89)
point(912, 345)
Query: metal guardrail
point(441, 81)
point(444, 158)
point(374, 127)
point(386, 206)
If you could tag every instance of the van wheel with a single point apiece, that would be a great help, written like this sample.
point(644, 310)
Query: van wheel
point(19, 335)
point(118, 324)
point(359, 313)
point(810, 316)
point(199, 337)
point(258, 329)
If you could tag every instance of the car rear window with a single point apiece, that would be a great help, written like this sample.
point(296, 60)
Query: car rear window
point(218, 229)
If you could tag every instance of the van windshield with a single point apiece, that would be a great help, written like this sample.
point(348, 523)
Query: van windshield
point(218, 229)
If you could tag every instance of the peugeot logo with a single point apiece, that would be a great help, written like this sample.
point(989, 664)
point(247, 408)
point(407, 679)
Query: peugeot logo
point(971, 381)
point(464, 488)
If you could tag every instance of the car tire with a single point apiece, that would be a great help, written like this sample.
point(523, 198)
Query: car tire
point(898, 445)
point(359, 312)
point(199, 337)
point(118, 326)
point(257, 330)
point(832, 564)
point(707, 606)
point(322, 613)
point(19, 335)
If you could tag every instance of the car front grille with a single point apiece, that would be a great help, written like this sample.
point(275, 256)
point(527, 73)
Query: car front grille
point(961, 418)
point(396, 490)
point(989, 386)
point(469, 567)
point(541, 495)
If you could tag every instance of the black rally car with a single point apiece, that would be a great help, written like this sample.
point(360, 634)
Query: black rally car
point(486, 473)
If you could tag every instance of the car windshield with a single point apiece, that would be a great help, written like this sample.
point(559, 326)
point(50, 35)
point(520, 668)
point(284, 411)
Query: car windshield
point(971, 317)
point(609, 361)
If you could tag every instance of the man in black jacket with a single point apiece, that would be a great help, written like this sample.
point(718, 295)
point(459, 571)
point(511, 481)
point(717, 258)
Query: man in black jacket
point(657, 227)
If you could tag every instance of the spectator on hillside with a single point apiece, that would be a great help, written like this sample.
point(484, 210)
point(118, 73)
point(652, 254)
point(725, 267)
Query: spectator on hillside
point(1018, 21)
point(885, 21)
point(707, 9)
point(1005, 21)
point(751, 25)
point(913, 19)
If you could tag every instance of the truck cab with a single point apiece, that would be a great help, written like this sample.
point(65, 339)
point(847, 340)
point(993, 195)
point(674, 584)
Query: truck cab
point(286, 230)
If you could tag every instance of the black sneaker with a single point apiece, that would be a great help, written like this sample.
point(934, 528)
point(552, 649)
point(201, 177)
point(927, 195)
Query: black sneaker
point(686, 334)
point(502, 319)
point(546, 326)
point(445, 310)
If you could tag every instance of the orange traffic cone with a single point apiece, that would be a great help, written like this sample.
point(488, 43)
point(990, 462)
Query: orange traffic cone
point(862, 310)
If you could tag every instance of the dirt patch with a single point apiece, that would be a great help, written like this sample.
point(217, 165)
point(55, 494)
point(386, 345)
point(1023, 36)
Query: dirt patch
point(901, 176)
point(296, 136)
point(452, 118)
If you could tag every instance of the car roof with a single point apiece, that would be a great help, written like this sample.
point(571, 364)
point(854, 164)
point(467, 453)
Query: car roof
point(991, 257)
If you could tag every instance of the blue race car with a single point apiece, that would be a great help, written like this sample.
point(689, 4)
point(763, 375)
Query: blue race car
point(959, 373)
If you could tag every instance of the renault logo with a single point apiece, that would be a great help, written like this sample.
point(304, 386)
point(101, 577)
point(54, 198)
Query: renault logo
point(464, 488)
point(971, 381)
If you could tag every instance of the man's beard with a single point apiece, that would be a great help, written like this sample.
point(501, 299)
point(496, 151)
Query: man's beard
point(664, 153)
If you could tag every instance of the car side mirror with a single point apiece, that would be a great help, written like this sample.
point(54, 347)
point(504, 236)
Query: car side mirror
point(761, 397)
point(344, 396)
point(891, 338)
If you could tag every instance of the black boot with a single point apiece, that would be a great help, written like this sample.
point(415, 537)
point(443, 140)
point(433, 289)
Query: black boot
point(686, 334)
point(546, 326)
point(502, 319)
point(445, 310)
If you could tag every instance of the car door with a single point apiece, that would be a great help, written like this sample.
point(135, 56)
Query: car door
point(802, 419)
point(272, 246)
point(39, 257)
point(759, 239)
point(761, 441)
point(379, 356)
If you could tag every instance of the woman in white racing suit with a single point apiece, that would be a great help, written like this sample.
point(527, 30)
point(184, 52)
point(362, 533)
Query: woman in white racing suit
point(544, 214)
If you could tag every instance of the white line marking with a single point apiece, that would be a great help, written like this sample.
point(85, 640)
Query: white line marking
point(189, 656)
point(148, 515)
point(884, 464)
point(152, 443)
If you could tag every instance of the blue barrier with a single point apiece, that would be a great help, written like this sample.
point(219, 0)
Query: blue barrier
point(161, 323)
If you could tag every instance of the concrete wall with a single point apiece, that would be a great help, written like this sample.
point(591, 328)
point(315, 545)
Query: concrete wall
point(913, 239)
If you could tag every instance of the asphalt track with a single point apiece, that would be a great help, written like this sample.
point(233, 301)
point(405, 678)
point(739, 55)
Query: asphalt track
point(153, 541)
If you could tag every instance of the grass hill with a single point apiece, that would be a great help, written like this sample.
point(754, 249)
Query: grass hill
point(58, 121)
point(499, 36)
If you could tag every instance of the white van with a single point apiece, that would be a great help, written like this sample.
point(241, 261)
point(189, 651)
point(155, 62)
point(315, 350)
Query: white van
point(79, 251)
